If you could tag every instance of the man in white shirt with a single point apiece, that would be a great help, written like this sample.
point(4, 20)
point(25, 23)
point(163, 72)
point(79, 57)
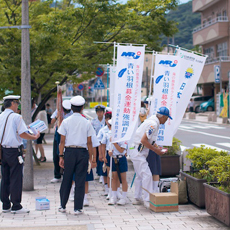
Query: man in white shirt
point(144, 139)
point(76, 133)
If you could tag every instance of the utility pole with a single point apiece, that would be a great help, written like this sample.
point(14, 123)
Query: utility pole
point(28, 179)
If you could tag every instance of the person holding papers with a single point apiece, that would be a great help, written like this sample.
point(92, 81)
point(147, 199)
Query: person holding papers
point(12, 130)
point(143, 141)
point(42, 116)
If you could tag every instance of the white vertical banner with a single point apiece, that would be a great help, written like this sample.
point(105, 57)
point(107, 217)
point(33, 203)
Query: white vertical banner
point(166, 81)
point(191, 66)
point(127, 92)
point(112, 75)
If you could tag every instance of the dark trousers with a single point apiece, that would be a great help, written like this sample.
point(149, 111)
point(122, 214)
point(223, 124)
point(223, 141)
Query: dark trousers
point(11, 184)
point(56, 160)
point(76, 161)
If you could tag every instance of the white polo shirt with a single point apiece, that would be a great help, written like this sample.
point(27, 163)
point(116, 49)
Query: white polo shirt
point(15, 126)
point(76, 129)
point(151, 127)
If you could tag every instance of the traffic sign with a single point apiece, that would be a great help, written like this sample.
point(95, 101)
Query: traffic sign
point(99, 71)
point(217, 73)
point(80, 87)
point(99, 84)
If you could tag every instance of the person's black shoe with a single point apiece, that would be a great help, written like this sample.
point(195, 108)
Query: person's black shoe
point(43, 159)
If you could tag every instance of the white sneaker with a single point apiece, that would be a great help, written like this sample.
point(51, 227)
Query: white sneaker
point(85, 202)
point(101, 180)
point(55, 180)
point(96, 177)
point(20, 211)
point(122, 201)
point(106, 192)
point(6, 210)
point(112, 201)
point(137, 201)
point(71, 197)
point(62, 210)
point(78, 212)
point(146, 204)
point(108, 197)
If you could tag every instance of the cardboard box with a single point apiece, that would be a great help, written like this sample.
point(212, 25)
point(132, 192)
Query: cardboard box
point(42, 203)
point(165, 201)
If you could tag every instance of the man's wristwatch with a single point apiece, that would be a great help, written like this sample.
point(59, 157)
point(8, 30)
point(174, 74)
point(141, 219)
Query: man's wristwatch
point(61, 155)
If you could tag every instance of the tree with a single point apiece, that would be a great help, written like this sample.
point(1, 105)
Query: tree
point(62, 37)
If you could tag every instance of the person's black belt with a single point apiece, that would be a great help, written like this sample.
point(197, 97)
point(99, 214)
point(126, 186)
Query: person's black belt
point(9, 147)
point(74, 147)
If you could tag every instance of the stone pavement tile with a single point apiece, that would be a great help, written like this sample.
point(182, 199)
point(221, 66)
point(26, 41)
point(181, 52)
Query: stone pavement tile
point(145, 228)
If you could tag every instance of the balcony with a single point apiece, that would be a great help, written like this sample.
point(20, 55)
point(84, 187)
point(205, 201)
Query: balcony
point(207, 75)
point(210, 31)
point(200, 5)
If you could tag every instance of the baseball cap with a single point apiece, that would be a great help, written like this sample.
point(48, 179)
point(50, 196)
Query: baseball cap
point(164, 111)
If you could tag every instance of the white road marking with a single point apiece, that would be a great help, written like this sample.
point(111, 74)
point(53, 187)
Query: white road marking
point(183, 148)
point(86, 114)
point(224, 144)
point(209, 146)
point(207, 134)
point(185, 127)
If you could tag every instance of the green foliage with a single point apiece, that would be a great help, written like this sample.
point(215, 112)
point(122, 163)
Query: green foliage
point(219, 169)
point(186, 21)
point(62, 37)
point(200, 158)
point(172, 150)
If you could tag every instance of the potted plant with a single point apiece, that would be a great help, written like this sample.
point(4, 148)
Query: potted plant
point(217, 194)
point(170, 161)
point(195, 178)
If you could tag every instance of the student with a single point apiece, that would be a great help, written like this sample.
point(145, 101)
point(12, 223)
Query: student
point(119, 167)
point(102, 132)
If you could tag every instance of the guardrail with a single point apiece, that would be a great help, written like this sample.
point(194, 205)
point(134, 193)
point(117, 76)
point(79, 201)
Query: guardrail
point(209, 23)
point(217, 59)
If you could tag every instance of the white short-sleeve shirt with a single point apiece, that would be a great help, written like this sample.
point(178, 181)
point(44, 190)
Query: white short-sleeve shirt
point(151, 127)
point(15, 126)
point(106, 139)
point(102, 133)
point(76, 129)
point(122, 145)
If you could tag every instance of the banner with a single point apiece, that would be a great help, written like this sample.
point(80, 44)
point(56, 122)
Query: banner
point(191, 66)
point(127, 92)
point(112, 75)
point(166, 81)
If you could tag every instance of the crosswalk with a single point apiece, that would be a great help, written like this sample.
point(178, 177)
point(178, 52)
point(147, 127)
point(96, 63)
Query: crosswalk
point(203, 126)
point(227, 145)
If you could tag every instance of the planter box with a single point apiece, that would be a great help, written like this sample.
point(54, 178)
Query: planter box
point(170, 165)
point(217, 203)
point(196, 191)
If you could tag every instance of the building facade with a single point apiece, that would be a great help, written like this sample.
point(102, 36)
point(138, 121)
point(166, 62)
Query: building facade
point(214, 38)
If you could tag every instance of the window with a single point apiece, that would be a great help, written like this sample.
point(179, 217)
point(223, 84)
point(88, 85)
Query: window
point(210, 52)
point(224, 13)
point(222, 49)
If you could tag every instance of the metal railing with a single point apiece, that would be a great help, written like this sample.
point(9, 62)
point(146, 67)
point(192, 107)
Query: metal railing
point(212, 60)
point(211, 22)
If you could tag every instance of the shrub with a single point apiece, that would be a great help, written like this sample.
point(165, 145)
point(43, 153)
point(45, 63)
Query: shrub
point(172, 150)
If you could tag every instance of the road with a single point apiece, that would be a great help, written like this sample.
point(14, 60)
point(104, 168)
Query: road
point(193, 133)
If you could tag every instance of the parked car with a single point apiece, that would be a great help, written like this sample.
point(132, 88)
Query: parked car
point(207, 106)
point(198, 100)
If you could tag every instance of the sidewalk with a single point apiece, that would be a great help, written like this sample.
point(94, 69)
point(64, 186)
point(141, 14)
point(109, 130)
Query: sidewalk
point(203, 117)
point(98, 215)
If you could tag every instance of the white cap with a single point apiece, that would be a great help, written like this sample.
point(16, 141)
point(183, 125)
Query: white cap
point(99, 107)
point(110, 121)
point(77, 101)
point(11, 97)
point(108, 109)
point(66, 104)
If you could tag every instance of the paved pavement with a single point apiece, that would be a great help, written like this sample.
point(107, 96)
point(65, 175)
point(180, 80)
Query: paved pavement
point(98, 215)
